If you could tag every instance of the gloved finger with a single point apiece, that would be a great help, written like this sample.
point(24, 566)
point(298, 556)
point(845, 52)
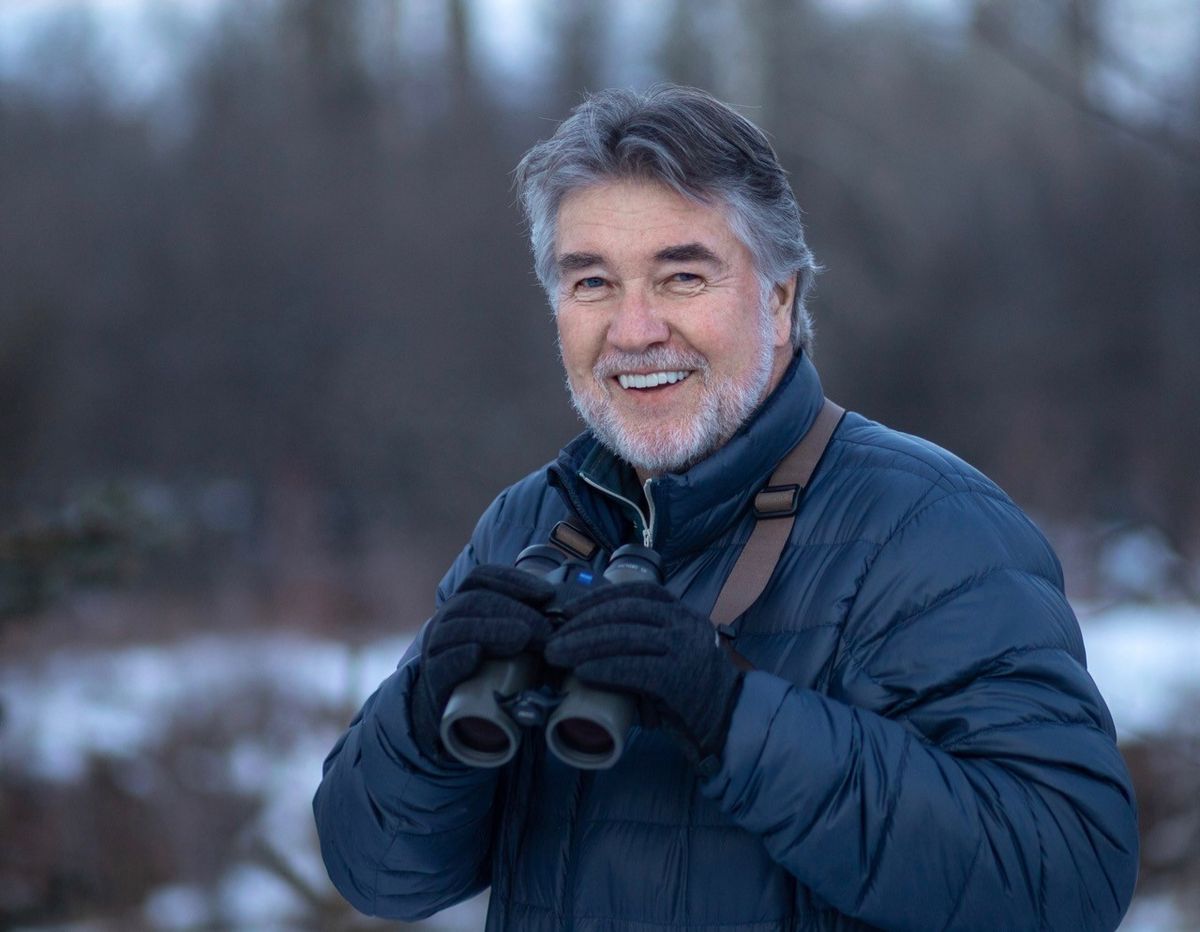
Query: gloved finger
point(636, 613)
point(447, 669)
point(606, 595)
point(497, 635)
point(482, 603)
point(525, 587)
point(640, 676)
point(567, 648)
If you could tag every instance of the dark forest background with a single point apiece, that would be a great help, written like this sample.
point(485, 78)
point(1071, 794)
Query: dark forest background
point(299, 281)
point(270, 339)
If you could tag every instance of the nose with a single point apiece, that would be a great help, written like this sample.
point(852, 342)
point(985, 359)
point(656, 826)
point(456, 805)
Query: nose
point(637, 323)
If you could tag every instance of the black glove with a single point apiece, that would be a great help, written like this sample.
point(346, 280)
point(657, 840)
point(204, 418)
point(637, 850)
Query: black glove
point(494, 613)
point(638, 638)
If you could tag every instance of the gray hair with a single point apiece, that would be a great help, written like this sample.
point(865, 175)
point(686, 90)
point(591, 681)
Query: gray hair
point(699, 147)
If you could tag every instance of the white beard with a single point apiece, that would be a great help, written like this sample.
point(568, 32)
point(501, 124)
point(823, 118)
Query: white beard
point(674, 446)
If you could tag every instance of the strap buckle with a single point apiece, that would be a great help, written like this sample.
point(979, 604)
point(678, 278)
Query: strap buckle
point(575, 542)
point(777, 501)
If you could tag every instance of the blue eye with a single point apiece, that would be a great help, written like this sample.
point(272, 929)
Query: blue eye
point(594, 281)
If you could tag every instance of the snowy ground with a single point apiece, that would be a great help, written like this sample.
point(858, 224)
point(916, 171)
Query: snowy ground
point(1146, 661)
point(73, 705)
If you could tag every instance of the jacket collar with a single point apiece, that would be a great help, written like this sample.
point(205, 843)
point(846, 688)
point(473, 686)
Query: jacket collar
point(692, 508)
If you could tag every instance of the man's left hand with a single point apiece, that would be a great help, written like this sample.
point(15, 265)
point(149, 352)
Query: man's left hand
point(638, 638)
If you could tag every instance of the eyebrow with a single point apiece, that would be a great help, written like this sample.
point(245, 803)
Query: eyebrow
point(683, 252)
point(574, 261)
point(688, 252)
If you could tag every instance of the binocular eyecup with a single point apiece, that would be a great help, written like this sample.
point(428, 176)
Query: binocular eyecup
point(584, 727)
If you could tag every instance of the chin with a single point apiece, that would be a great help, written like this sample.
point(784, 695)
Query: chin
point(654, 447)
point(666, 448)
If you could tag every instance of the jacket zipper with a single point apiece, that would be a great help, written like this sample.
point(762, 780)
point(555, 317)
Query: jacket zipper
point(648, 533)
point(647, 522)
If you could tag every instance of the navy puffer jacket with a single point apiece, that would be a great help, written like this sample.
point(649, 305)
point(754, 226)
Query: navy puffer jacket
point(920, 746)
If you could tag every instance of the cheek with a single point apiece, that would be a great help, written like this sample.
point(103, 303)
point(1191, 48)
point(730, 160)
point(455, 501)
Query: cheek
point(576, 341)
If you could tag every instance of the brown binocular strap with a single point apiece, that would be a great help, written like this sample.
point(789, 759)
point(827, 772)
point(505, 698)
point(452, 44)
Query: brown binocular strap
point(775, 509)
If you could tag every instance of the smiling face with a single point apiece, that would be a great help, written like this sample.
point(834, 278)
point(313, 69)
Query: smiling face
point(667, 340)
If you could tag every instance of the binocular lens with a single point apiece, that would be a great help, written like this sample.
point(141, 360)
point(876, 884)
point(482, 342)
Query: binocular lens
point(583, 736)
point(479, 734)
point(474, 728)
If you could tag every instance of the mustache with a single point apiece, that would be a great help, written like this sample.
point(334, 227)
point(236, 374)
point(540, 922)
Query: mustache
point(658, 358)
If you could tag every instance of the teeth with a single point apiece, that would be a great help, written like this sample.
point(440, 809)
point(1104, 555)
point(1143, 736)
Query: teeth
point(650, 380)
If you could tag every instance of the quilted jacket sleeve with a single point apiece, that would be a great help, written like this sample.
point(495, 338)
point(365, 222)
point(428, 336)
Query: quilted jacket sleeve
point(401, 836)
point(962, 772)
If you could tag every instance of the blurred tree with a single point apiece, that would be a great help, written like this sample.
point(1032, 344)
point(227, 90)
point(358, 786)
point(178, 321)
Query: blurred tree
point(580, 43)
point(686, 54)
point(319, 276)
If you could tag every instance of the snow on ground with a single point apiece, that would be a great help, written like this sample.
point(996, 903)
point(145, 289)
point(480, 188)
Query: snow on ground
point(61, 709)
point(1146, 661)
point(74, 704)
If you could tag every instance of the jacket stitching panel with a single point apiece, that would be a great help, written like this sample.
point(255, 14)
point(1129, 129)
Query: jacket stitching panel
point(964, 742)
point(379, 867)
point(966, 882)
point(843, 653)
point(885, 830)
point(1041, 864)
point(840, 650)
point(946, 475)
point(875, 645)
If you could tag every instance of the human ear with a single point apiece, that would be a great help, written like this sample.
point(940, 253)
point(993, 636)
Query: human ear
point(783, 294)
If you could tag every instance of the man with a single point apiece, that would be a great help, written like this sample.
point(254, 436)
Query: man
point(918, 744)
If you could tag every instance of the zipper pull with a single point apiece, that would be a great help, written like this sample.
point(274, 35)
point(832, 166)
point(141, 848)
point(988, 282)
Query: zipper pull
point(648, 530)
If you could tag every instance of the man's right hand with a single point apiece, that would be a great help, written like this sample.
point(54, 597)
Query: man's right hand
point(496, 612)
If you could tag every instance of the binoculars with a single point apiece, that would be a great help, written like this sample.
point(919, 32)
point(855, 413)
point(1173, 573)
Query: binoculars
point(584, 727)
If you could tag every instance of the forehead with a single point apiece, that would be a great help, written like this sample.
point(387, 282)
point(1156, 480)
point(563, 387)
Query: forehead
point(628, 218)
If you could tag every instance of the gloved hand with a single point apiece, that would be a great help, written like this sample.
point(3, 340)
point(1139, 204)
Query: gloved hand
point(640, 639)
point(495, 612)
